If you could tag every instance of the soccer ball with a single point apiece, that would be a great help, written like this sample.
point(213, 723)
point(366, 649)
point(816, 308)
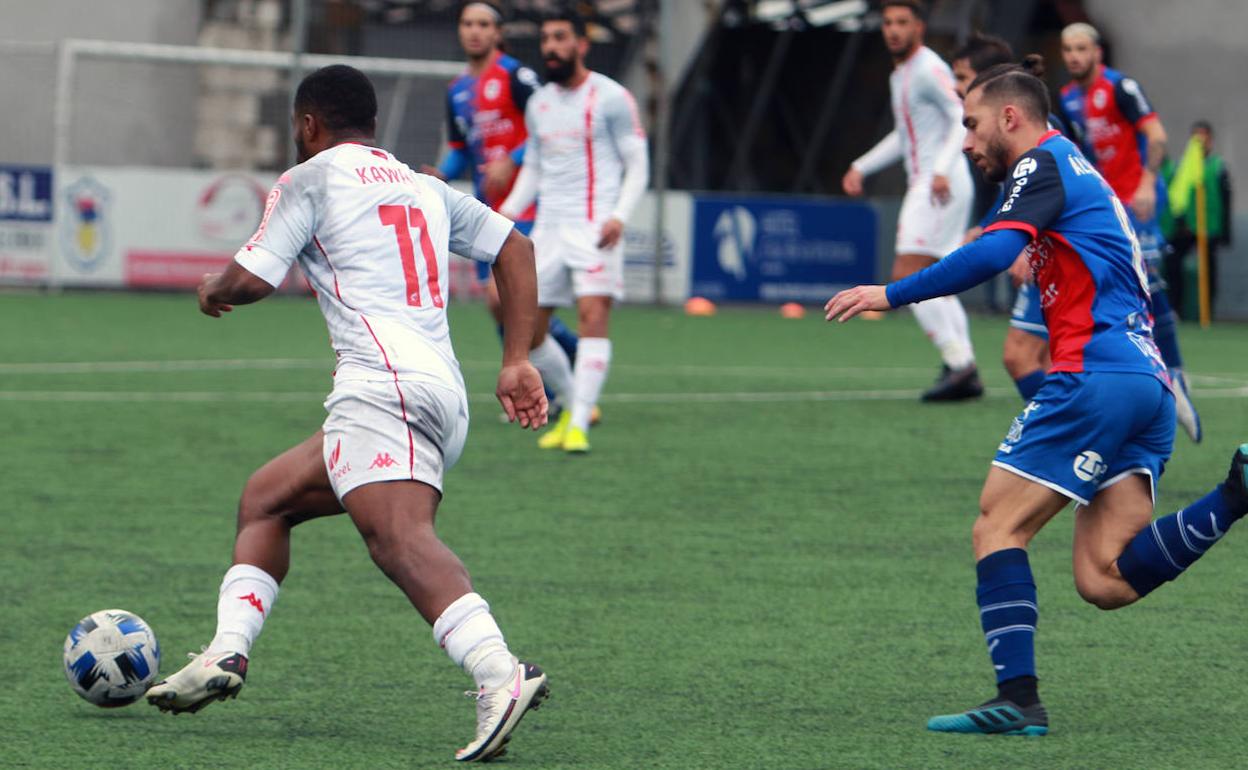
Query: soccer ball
point(111, 658)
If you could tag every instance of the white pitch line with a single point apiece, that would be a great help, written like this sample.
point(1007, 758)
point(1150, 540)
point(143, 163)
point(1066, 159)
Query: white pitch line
point(774, 397)
point(278, 364)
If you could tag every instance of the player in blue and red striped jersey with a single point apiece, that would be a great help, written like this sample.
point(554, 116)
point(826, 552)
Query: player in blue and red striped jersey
point(486, 132)
point(1101, 427)
point(1127, 142)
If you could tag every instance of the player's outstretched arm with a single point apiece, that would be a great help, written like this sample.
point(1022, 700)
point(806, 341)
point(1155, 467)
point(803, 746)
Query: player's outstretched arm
point(520, 388)
point(220, 292)
point(968, 266)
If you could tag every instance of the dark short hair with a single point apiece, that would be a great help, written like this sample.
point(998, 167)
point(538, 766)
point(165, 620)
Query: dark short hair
point(1203, 125)
point(984, 51)
point(1017, 83)
point(566, 13)
point(341, 96)
point(917, 7)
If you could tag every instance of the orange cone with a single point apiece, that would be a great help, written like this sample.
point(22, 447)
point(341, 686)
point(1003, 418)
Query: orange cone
point(792, 310)
point(699, 306)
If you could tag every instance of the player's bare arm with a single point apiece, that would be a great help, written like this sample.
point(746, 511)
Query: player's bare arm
point(1144, 202)
point(220, 292)
point(519, 385)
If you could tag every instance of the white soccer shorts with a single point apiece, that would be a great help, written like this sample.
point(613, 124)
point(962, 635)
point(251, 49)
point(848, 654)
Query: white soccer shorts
point(926, 227)
point(570, 264)
point(383, 430)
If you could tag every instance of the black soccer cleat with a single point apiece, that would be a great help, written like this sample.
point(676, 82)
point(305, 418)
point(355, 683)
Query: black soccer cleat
point(996, 717)
point(955, 385)
point(1236, 486)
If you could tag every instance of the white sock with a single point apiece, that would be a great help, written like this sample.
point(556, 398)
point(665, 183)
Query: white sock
point(472, 639)
point(593, 359)
point(246, 599)
point(939, 318)
point(554, 366)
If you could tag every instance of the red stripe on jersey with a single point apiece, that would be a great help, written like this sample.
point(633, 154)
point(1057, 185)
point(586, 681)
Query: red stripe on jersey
point(905, 117)
point(411, 444)
point(1052, 132)
point(329, 262)
point(1011, 224)
point(1068, 311)
point(589, 152)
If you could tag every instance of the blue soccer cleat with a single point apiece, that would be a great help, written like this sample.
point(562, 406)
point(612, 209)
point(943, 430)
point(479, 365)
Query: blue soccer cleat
point(996, 717)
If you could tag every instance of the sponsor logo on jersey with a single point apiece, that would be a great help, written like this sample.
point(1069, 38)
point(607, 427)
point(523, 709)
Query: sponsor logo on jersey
point(1090, 466)
point(1025, 167)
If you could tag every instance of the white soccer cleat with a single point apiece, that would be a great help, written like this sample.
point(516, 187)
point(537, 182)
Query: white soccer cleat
point(499, 711)
point(1184, 411)
point(208, 677)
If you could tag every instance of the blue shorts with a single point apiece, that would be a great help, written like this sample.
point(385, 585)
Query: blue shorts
point(1026, 314)
point(483, 268)
point(1084, 432)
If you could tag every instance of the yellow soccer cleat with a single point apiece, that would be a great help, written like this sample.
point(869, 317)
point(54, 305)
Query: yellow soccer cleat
point(553, 438)
point(575, 441)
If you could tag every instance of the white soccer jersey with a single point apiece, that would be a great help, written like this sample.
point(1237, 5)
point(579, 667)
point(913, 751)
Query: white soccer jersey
point(927, 114)
point(372, 237)
point(581, 142)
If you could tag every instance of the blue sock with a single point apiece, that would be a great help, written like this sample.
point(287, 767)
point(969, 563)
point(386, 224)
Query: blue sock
point(1007, 612)
point(1171, 544)
point(1166, 330)
point(1029, 384)
point(566, 338)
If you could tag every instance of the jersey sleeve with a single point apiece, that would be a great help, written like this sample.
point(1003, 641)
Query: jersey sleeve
point(1132, 102)
point(454, 136)
point(939, 90)
point(523, 83)
point(289, 221)
point(629, 137)
point(477, 232)
point(1035, 196)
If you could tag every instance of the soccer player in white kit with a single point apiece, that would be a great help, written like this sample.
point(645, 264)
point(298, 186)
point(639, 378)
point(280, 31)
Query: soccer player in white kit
point(372, 237)
point(587, 164)
point(927, 136)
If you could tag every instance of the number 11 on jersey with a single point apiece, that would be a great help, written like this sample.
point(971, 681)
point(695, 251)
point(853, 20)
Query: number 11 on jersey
point(403, 219)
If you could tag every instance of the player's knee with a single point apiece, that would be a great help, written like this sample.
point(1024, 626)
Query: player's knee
point(1101, 592)
point(257, 503)
point(1014, 360)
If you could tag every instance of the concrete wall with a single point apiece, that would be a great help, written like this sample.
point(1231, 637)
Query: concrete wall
point(1192, 61)
point(123, 113)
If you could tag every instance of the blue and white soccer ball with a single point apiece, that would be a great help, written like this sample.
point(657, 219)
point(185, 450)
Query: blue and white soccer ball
point(111, 658)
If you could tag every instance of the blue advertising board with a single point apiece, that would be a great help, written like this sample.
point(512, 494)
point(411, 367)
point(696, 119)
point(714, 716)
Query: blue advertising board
point(780, 249)
point(25, 193)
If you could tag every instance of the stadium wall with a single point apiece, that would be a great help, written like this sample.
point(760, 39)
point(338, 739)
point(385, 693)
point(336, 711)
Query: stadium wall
point(105, 127)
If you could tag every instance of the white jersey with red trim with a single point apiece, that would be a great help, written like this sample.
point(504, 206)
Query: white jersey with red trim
point(372, 237)
point(927, 133)
point(581, 140)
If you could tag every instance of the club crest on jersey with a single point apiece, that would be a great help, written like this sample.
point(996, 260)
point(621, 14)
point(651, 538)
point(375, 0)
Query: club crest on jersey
point(85, 228)
point(1099, 98)
point(491, 89)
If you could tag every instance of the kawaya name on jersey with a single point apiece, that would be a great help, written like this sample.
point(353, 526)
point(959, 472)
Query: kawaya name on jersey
point(1085, 260)
point(1109, 115)
point(373, 238)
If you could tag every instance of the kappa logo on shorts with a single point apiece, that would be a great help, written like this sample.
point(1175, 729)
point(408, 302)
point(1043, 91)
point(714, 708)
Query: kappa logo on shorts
point(1090, 466)
point(383, 460)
